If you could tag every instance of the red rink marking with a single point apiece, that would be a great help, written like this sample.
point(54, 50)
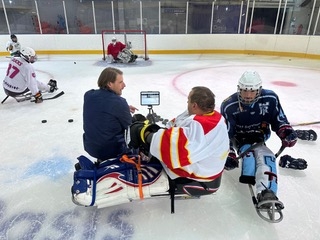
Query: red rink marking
point(284, 84)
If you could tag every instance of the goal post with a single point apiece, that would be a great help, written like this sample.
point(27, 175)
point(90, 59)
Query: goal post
point(137, 38)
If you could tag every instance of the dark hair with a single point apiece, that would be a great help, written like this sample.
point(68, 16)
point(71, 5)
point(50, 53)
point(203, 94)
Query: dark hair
point(108, 75)
point(13, 36)
point(203, 97)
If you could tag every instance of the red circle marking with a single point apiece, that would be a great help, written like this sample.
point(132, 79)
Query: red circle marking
point(284, 84)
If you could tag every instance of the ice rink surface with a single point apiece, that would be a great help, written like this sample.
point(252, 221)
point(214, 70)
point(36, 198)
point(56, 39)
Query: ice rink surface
point(36, 170)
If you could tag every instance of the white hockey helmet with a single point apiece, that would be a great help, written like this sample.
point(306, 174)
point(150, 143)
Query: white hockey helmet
point(114, 39)
point(28, 54)
point(249, 81)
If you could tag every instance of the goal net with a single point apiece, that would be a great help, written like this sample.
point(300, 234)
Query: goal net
point(137, 38)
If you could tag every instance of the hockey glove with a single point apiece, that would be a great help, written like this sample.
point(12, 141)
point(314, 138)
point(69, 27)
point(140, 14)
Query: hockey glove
point(308, 135)
point(288, 136)
point(38, 98)
point(232, 162)
point(137, 133)
point(138, 118)
point(295, 163)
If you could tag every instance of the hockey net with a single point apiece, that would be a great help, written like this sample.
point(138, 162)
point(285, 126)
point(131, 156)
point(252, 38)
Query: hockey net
point(137, 38)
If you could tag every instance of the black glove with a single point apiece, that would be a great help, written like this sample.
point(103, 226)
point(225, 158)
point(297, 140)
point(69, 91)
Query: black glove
point(232, 161)
point(288, 136)
point(138, 132)
point(295, 163)
point(38, 98)
point(138, 118)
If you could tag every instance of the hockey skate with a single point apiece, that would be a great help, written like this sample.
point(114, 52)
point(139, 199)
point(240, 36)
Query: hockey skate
point(53, 85)
point(308, 135)
point(268, 207)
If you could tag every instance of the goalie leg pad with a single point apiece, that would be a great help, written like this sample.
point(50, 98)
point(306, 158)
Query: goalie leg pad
point(117, 183)
point(111, 190)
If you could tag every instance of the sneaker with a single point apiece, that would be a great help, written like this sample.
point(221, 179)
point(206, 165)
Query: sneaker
point(53, 85)
point(266, 195)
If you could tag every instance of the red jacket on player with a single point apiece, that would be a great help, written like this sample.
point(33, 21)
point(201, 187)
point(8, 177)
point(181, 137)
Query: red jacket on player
point(115, 48)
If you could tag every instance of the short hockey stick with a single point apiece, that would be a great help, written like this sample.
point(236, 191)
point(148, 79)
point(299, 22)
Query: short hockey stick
point(249, 149)
point(280, 151)
point(5, 99)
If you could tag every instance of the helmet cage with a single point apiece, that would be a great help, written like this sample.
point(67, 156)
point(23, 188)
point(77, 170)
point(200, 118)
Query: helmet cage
point(249, 81)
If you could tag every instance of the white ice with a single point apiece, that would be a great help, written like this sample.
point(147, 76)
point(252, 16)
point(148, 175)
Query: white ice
point(36, 170)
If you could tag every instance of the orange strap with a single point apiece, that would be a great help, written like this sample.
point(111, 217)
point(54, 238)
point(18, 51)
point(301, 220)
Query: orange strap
point(125, 158)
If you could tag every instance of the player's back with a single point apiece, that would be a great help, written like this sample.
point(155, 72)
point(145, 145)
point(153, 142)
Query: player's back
point(15, 79)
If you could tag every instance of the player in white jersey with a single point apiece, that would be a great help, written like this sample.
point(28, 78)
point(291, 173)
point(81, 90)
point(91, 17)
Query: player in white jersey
point(194, 146)
point(13, 46)
point(21, 77)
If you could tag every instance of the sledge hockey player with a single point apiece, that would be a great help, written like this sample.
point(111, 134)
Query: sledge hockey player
point(186, 158)
point(119, 52)
point(13, 46)
point(21, 77)
point(251, 113)
point(194, 147)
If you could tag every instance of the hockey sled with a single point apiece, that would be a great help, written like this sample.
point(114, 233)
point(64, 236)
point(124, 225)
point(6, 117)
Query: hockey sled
point(125, 179)
point(28, 96)
point(269, 210)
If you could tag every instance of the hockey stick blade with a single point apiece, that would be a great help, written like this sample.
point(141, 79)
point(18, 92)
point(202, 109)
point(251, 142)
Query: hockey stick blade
point(53, 97)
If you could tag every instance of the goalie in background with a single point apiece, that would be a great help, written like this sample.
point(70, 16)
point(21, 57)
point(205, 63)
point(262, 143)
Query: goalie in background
point(21, 77)
point(120, 53)
point(13, 46)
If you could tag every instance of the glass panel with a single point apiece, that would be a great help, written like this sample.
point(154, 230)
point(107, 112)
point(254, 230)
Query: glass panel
point(264, 20)
point(3, 22)
point(226, 17)
point(316, 24)
point(128, 15)
point(173, 17)
point(103, 12)
point(199, 18)
point(298, 19)
point(80, 17)
point(51, 17)
point(150, 15)
point(22, 16)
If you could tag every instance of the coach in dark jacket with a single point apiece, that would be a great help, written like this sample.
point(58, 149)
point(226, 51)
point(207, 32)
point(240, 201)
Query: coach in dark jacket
point(106, 115)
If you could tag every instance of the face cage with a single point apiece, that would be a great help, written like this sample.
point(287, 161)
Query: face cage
point(243, 101)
